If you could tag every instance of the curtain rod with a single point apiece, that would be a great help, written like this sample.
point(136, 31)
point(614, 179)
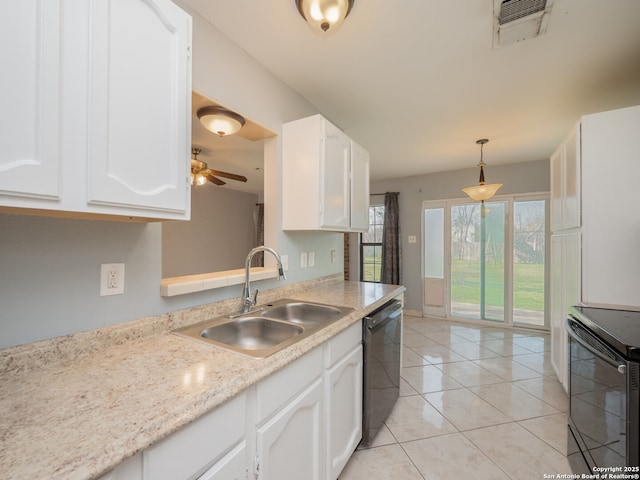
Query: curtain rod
point(371, 194)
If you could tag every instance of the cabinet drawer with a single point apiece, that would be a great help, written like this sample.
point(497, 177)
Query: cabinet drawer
point(343, 343)
point(279, 388)
point(198, 444)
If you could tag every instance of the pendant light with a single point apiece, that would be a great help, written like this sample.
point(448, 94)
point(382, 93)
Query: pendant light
point(324, 15)
point(482, 191)
point(220, 120)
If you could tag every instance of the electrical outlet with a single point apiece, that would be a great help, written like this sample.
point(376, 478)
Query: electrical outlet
point(285, 262)
point(311, 259)
point(334, 254)
point(303, 259)
point(111, 279)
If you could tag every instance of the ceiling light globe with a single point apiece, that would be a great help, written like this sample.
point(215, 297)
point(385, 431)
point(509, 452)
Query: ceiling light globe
point(324, 15)
point(220, 121)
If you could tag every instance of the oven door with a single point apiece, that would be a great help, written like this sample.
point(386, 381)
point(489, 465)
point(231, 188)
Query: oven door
point(598, 415)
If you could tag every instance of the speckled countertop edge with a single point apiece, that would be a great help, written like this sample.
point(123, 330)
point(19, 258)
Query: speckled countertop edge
point(74, 407)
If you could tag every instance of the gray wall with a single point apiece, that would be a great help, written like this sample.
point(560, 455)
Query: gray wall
point(221, 232)
point(49, 268)
point(516, 178)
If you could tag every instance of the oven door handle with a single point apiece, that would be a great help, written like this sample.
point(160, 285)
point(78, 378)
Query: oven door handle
point(603, 351)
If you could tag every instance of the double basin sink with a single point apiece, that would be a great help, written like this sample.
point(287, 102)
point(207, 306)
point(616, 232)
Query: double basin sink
point(267, 329)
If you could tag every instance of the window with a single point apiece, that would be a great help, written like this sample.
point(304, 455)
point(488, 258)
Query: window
point(371, 246)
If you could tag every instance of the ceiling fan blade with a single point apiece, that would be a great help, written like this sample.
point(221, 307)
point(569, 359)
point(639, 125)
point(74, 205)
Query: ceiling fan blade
point(215, 180)
point(232, 176)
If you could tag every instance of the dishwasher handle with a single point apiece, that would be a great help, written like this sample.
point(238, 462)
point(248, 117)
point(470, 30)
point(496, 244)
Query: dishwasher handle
point(389, 311)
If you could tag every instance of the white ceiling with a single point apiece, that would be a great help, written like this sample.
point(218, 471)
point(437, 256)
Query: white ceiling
point(416, 82)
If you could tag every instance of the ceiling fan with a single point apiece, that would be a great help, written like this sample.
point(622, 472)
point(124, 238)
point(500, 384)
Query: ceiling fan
point(200, 173)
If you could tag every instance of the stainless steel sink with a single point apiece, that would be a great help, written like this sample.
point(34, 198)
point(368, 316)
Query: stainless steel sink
point(266, 330)
point(252, 333)
point(303, 313)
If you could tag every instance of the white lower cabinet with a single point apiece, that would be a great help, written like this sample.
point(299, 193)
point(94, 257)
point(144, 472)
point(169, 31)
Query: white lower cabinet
point(233, 466)
point(302, 422)
point(190, 451)
point(344, 410)
point(290, 445)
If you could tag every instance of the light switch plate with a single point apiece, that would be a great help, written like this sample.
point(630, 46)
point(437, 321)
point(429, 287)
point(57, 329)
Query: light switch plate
point(303, 260)
point(311, 259)
point(413, 239)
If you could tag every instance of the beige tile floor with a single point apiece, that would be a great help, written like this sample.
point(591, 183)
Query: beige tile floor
point(475, 402)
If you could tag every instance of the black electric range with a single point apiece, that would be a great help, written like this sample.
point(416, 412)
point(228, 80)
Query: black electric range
point(619, 328)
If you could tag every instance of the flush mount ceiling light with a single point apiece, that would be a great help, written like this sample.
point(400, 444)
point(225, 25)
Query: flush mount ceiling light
point(324, 15)
point(482, 191)
point(220, 120)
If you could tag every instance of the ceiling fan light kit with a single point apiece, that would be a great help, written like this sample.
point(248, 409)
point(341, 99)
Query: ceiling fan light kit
point(324, 15)
point(482, 191)
point(220, 121)
point(200, 172)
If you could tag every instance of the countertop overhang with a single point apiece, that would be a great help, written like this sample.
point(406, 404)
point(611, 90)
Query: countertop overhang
point(77, 418)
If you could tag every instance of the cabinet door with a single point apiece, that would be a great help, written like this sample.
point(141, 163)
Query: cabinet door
point(30, 163)
point(232, 466)
point(334, 181)
point(557, 177)
point(556, 309)
point(139, 105)
point(290, 446)
point(571, 197)
point(359, 188)
point(344, 411)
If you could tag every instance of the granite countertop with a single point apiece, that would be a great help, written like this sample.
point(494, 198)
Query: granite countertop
point(69, 410)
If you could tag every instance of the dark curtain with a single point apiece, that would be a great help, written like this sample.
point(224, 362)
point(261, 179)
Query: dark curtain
point(391, 240)
point(258, 258)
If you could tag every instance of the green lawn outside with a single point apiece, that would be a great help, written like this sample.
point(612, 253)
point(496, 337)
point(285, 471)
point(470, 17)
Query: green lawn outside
point(528, 284)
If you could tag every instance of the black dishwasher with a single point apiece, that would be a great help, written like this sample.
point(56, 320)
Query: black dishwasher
point(382, 332)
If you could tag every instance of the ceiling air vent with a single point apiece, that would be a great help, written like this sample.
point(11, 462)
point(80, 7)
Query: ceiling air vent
point(519, 20)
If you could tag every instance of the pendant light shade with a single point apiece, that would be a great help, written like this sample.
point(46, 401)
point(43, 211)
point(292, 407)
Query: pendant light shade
point(220, 120)
point(324, 15)
point(482, 191)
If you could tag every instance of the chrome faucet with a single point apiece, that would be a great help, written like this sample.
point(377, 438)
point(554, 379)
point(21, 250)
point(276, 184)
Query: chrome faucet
point(249, 299)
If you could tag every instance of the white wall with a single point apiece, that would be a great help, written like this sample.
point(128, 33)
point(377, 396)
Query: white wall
point(516, 178)
point(49, 268)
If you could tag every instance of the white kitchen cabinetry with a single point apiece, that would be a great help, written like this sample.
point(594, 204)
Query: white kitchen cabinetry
point(189, 452)
point(325, 178)
point(359, 188)
point(304, 421)
point(565, 183)
point(30, 38)
point(289, 418)
point(99, 121)
point(595, 224)
point(343, 387)
point(565, 292)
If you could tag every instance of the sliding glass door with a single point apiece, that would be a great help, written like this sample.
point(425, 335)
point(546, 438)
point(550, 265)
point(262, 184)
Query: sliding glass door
point(478, 260)
point(486, 261)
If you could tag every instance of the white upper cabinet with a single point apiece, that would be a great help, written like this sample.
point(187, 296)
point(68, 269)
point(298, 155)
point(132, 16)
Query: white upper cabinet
point(30, 32)
point(359, 188)
point(325, 178)
point(334, 178)
point(565, 183)
point(100, 113)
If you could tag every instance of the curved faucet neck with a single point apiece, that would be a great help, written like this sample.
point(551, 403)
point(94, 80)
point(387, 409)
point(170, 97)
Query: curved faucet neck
point(249, 300)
